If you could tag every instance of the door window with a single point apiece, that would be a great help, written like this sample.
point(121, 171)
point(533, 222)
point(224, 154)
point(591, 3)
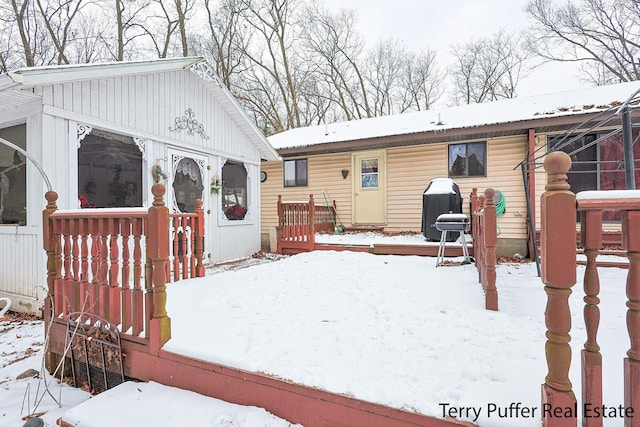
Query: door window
point(369, 174)
point(187, 184)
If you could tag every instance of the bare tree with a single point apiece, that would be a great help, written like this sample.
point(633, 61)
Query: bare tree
point(383, 69)
point(168, 18)
point(270, 53)
point(86, 43)
point(227, 39)
point(130, 15)
point(332, 39)
point(603, 35)
point(421, 81)
point(58, 19)
point(487, 69)
point(26, 22)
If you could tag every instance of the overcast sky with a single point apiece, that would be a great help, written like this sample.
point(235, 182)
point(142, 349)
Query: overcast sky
point(441, 23)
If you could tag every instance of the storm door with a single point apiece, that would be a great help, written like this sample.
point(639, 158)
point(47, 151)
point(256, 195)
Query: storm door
point(187, 180)
point(370, 184)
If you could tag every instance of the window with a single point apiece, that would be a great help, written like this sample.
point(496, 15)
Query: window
point(598, 166)
point(468, 159)
point(109, 171)
point(13, 177)
point(369, 174)
point(295, 173)
point(234, 191)
point(187, 184)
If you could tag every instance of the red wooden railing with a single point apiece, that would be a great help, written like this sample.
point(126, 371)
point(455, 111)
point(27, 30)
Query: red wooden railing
point(485, 237)
point(96, 265)
point(187, 241)
point(558, 250)
point(299, 222)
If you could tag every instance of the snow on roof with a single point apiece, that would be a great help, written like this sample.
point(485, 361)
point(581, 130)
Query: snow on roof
point(441, 186)
point(566, 103)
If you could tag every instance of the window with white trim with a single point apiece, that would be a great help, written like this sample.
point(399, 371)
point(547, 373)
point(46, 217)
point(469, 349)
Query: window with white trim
point(109, 171)
point(13, 176)
point(234, 191)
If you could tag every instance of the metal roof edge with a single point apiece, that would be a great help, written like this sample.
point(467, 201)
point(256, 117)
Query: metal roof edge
point(33, 76)
point(7, 82)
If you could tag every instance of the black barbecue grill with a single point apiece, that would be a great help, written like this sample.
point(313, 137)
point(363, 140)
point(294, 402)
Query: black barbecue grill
point(454, 222)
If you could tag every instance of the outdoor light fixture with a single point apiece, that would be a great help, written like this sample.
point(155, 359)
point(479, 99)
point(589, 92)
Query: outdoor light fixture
point(345, 173)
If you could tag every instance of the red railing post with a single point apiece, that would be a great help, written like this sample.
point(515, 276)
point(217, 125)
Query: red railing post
point(591, 240)
point(198, 233)
point(157, 234)
point(631, 243)
point(474, 199)
point(558, 228)
point(490, 240)
point(480, 234)
point(280, 225)
point(312, 223)
point(51, 247)
point(115, 295)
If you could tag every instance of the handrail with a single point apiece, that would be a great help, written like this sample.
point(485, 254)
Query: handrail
point(116, 262)
point(485, 238)
point(558, 213)
point(298, 222)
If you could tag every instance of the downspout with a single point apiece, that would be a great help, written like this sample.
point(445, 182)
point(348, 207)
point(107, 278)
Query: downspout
point(529, 181)
point(627, 141)
point(28, 156)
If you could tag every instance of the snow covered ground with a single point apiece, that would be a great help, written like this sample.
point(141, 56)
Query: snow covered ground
point(129, 404)
point(389, 329)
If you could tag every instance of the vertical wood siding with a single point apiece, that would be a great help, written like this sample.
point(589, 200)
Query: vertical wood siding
point(150, 103)
point(21, 258)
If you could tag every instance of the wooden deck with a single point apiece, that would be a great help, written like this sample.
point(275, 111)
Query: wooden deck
point(96, 265)
point(296, 403)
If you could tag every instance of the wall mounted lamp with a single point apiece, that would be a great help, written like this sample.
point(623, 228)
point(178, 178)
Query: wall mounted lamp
point(345, 173)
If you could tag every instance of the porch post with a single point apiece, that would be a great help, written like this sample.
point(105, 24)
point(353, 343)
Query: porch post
point(473, 198)
point(631, 243)
point(627, 142)
point(199, 238)
point(558, 247)
point(312, 223)
point(158, 254)
point(280, 229)
point(591, 240)
point(50, 247)
point(490, 240)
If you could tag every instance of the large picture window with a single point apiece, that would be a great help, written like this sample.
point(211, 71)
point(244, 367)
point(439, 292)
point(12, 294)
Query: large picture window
point(469, 159)
point(109, 171)
point(295, 173)
point(598, 166)
point(13, 177)
point(234, 191)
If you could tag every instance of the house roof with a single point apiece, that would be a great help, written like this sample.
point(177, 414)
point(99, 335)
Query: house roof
point(24, 78)
point(490, 119)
